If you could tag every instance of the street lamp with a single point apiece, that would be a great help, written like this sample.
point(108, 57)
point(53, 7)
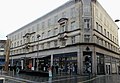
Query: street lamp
point(117, 20)
point(38, 36)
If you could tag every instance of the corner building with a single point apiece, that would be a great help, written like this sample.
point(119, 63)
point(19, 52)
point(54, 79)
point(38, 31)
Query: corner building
point(64, 37)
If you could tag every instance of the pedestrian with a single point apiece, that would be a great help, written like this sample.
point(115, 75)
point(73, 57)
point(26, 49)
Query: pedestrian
point(56, 69)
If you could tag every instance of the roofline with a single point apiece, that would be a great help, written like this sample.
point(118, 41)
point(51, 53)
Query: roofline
point(40, 18)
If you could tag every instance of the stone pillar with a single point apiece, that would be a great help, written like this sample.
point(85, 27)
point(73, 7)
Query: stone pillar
point(51, 59)
point(94, 61)
point(22, 64)
point(79, 61)
point(33, 66)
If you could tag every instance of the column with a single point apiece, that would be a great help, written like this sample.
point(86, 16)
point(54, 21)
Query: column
point(94, 61)
point(33, 64)
point(22, 64)
point(79, 62)
point(51, 60)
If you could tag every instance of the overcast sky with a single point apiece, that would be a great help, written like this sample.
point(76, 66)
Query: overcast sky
point(16, 13)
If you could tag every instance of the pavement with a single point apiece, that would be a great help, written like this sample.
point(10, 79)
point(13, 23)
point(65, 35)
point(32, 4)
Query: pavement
point(18, 78)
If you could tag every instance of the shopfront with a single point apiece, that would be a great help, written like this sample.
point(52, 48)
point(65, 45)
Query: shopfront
point(65, 63)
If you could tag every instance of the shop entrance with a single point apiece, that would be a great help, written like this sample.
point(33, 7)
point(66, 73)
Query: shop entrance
point(107, 69)
point(65, 63)
point(44, 63)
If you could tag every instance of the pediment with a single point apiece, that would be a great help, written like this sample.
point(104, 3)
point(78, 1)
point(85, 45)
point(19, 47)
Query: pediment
point(62, 20)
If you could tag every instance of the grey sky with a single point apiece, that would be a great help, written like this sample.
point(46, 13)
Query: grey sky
point(17, 13)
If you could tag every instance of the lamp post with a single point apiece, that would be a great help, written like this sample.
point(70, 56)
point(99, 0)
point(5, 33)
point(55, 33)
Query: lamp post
point(117, 20)
point(38, 36)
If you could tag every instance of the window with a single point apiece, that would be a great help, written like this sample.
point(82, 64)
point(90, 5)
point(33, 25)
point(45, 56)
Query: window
point(15, 37)
point(73, 39)
point(109, 45)
point(48, 44)
point(18, 36)
point(96, 12)
point(86, 23)
point(111, 36)
point(42, 46)
point(55, 43)
point(24, 41)
point(33, 38)
point(63, 42)
point(97, 26)
point(33, 29)
point(64, 14)
point(115, 40)
point(55, 31)
point(73, 26)
point(72, 13)
point(21, 42)
point(49, 33)
point(29, 30)
point(15, 44)
point(18, 43)
point(43, 35)
point(21, 35)
point(101, 29)
point(43, 25)
point(55, 19)
point(38, 27)
point(105, 44)
point(105, 32)
point(108, 34)
point(97, 40)
point(62, 28)
point(49, 22)
point(86, 38)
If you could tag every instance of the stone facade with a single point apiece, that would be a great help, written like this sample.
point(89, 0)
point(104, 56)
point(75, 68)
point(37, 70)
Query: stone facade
point(65, 37)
